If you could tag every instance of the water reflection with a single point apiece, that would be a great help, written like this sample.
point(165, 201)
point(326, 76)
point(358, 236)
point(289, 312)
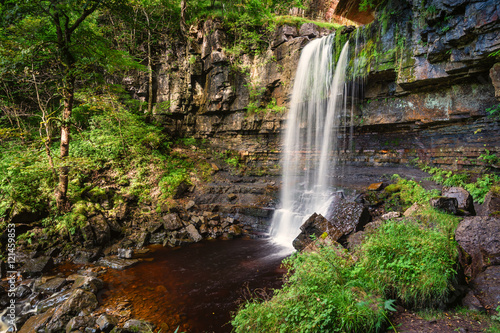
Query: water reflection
point(196, 287)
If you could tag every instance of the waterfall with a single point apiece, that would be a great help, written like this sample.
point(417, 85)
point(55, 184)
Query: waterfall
point(310, 138)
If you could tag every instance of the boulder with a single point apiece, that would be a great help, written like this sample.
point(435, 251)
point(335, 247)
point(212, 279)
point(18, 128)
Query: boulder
point(80, 301)
point(80, 323)
point(33, 324)
point(491, 204)
point(479, 241)
point(485, 290)
point(106, 322)
point(172, 222)
point(51, 285)
point(448, 205)
point(102, 231)
point(193, 233)
point(464, 199)
point(309, 30)
point(88, 283)
point(316, 225)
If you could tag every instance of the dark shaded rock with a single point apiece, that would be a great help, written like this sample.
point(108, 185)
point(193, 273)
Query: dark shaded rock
point(464, 199)
point(190, 205)
point(155, 226)
point(315, 225)
point(485, 289)
point(479, 241)
point(235, 230)
point(471, 302)
point(491, 204)
point(181, 190)
point(448, 205)
point(143, 239)
point(193, 233)
point(80, 323)
point(52, 285)
point(86, 256)
point(117, 263)
point(89, 283)
point(28, 216)
point(107, 322)
point(172, 222)
point(33, 324)
point(22, 291)
point(102, 231)
point(37, 266)
point(80, 301)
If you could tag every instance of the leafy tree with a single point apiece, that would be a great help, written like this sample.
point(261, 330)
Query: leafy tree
point(51, 45)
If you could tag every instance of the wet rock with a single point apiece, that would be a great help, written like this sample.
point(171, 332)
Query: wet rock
point(235, 230)
point(22, 291)
point(155, 226)
point(491, 204)
point(33, 324)
point(193, 233)
point(80, 301)
point(140, 326)
point(117, 263)
point(53, 301)
point(80, 323)
point(107, 322)
point(347, 216)
point(125, 253)
point(37, 266)
point(89, 283)
point(464, 199)
point(52, 285)
point(172, 222)
point(486, 288)
point(448, 205)
point(478, 238)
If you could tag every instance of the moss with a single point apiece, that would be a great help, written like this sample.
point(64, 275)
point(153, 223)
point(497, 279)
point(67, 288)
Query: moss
point(392, 188)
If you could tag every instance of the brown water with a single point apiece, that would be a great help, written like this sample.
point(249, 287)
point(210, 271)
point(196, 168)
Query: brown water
point(196, 287)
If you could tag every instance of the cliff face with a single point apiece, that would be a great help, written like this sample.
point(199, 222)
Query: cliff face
point(430, 71)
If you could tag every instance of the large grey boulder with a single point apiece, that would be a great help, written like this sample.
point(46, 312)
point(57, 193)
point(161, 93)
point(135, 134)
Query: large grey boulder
point(479, 241)
point(80, 301)
point(485, 290)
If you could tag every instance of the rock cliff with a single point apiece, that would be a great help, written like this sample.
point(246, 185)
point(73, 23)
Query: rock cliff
point(430, 71)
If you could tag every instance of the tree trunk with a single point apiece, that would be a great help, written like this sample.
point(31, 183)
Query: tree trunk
point(150, 68)
point(62, 189)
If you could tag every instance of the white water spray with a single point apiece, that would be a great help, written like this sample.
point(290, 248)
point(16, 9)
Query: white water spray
point(310, 138)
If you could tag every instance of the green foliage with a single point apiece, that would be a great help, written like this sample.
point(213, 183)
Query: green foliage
point(299, 21)
point(477, 189)
point(317, 297)
point(413, 263)
point(413, 192)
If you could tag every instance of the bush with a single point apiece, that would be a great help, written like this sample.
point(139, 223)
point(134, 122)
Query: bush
point(317, 297)
point(413, 263)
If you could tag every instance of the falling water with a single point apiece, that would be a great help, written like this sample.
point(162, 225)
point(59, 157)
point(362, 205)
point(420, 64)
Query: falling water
point(310, 137)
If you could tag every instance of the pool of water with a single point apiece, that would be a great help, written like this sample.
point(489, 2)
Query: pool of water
point(195, 288)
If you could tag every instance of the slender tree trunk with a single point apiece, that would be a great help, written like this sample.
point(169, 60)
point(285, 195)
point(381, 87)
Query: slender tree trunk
point(150, 68)
point(62, 189)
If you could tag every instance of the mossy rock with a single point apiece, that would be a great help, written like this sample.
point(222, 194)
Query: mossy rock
point(392, 188)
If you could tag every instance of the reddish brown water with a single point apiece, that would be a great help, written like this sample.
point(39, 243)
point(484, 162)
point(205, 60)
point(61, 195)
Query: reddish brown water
point(196, 287)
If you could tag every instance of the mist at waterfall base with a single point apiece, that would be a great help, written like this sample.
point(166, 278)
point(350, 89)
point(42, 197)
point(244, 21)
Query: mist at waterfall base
point(310, 138)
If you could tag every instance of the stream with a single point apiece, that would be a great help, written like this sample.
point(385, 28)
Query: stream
point(195, 288)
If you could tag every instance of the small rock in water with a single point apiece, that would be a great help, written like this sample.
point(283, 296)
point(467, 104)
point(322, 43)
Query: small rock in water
point(125, 253)
point(107, 322)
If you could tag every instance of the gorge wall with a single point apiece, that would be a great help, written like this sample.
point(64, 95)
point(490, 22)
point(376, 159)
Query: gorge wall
point(431, 70)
